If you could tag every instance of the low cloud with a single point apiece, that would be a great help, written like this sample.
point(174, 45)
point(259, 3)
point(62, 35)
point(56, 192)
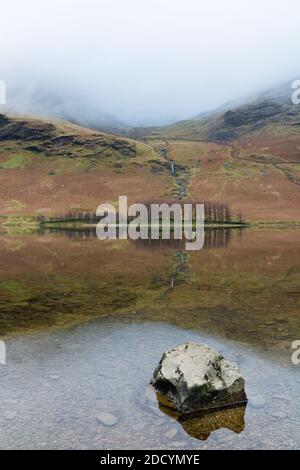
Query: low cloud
point(110, 62)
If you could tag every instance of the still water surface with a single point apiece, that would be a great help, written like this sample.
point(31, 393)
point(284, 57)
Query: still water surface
point(86, 321)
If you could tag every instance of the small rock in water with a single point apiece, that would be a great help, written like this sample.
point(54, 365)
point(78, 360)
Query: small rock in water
point(178, 444)
point(257, 401)
point(54, 377)
point(171, 433)
point(195, 377)
point(108, 419)
point(281, 398)
point(279, 414)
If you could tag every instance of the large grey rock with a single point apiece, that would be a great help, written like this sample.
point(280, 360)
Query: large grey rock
point(194, 377)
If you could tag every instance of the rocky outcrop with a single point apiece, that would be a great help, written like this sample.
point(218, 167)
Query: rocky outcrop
point(194, 377)
point(25, 130)
point(249, 118)
point(253, 114)
point(3, 119)
point(44, 137)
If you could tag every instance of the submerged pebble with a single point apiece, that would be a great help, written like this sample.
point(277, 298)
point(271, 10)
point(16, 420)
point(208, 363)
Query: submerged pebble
point(171, 433)
point(54, 377)
point(108, 419)
point(257, 401)
point(279, 414)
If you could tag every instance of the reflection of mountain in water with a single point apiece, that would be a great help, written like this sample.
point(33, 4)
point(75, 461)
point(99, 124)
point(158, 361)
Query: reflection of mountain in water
point(214, 238)
point(180, 273)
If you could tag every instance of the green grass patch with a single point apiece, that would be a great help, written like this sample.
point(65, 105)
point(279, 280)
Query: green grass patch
point(15, 161)
point(15, 289)
point(239, 170)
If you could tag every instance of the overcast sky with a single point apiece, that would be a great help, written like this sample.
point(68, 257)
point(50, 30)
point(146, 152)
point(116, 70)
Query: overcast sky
point(144, 61)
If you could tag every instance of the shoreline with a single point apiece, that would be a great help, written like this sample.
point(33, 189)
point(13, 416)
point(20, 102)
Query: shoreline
point(79, 225)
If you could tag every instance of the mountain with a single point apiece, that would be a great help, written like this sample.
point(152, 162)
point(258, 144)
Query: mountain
point(245, 155)
point(240, 117)
point(52, 167)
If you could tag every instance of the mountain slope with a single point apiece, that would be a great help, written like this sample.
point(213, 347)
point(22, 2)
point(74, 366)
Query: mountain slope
point(52, 167)
point(247, 156)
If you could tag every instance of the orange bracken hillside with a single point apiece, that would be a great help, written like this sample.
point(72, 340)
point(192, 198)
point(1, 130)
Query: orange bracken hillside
point(247, 157)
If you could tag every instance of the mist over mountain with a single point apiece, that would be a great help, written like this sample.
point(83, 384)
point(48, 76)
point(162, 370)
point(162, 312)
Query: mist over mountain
point(104, 63)
point(282, 93)
point(68, 105)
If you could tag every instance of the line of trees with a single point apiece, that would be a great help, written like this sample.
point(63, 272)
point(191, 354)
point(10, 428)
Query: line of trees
point(71, 216)
point(215, 212)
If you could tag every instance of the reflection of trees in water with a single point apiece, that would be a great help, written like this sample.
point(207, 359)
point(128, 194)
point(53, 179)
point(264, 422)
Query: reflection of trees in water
point(214, 238)
point(217, 238)
point(72, 234)
point(180, 271)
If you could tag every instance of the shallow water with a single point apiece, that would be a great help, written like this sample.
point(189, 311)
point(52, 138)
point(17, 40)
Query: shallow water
point(85, 323)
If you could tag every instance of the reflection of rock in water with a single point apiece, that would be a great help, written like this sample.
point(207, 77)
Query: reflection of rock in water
point(202, 425)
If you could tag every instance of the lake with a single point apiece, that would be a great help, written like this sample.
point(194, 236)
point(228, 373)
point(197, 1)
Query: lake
point(85, 323)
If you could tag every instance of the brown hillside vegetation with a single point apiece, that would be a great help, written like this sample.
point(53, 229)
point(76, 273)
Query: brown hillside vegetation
point(52, 167)
point(247, 157)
